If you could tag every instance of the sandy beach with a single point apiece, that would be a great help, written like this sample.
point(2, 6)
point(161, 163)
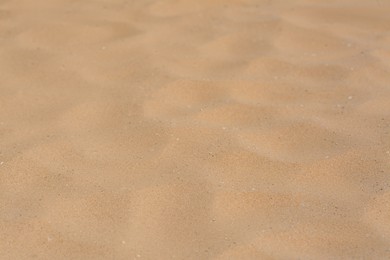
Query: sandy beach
point(194, 129)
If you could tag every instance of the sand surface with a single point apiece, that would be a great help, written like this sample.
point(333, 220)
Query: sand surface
point(194, 129)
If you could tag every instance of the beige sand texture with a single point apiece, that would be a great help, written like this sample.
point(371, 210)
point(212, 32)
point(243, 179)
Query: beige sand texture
point(194, 129)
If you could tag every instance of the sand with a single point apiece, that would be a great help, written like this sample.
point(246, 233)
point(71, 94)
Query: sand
point(194, 129)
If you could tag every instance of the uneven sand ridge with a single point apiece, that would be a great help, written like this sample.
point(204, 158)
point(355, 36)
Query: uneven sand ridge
point(194, 129)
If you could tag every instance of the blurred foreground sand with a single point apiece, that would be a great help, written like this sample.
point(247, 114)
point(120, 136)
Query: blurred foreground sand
point(194, 129)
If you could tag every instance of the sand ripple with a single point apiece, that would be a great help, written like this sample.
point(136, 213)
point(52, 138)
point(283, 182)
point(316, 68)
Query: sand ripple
point(177, 129)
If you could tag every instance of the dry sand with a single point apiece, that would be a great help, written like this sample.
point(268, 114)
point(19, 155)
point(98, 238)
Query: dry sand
point(194, 129)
